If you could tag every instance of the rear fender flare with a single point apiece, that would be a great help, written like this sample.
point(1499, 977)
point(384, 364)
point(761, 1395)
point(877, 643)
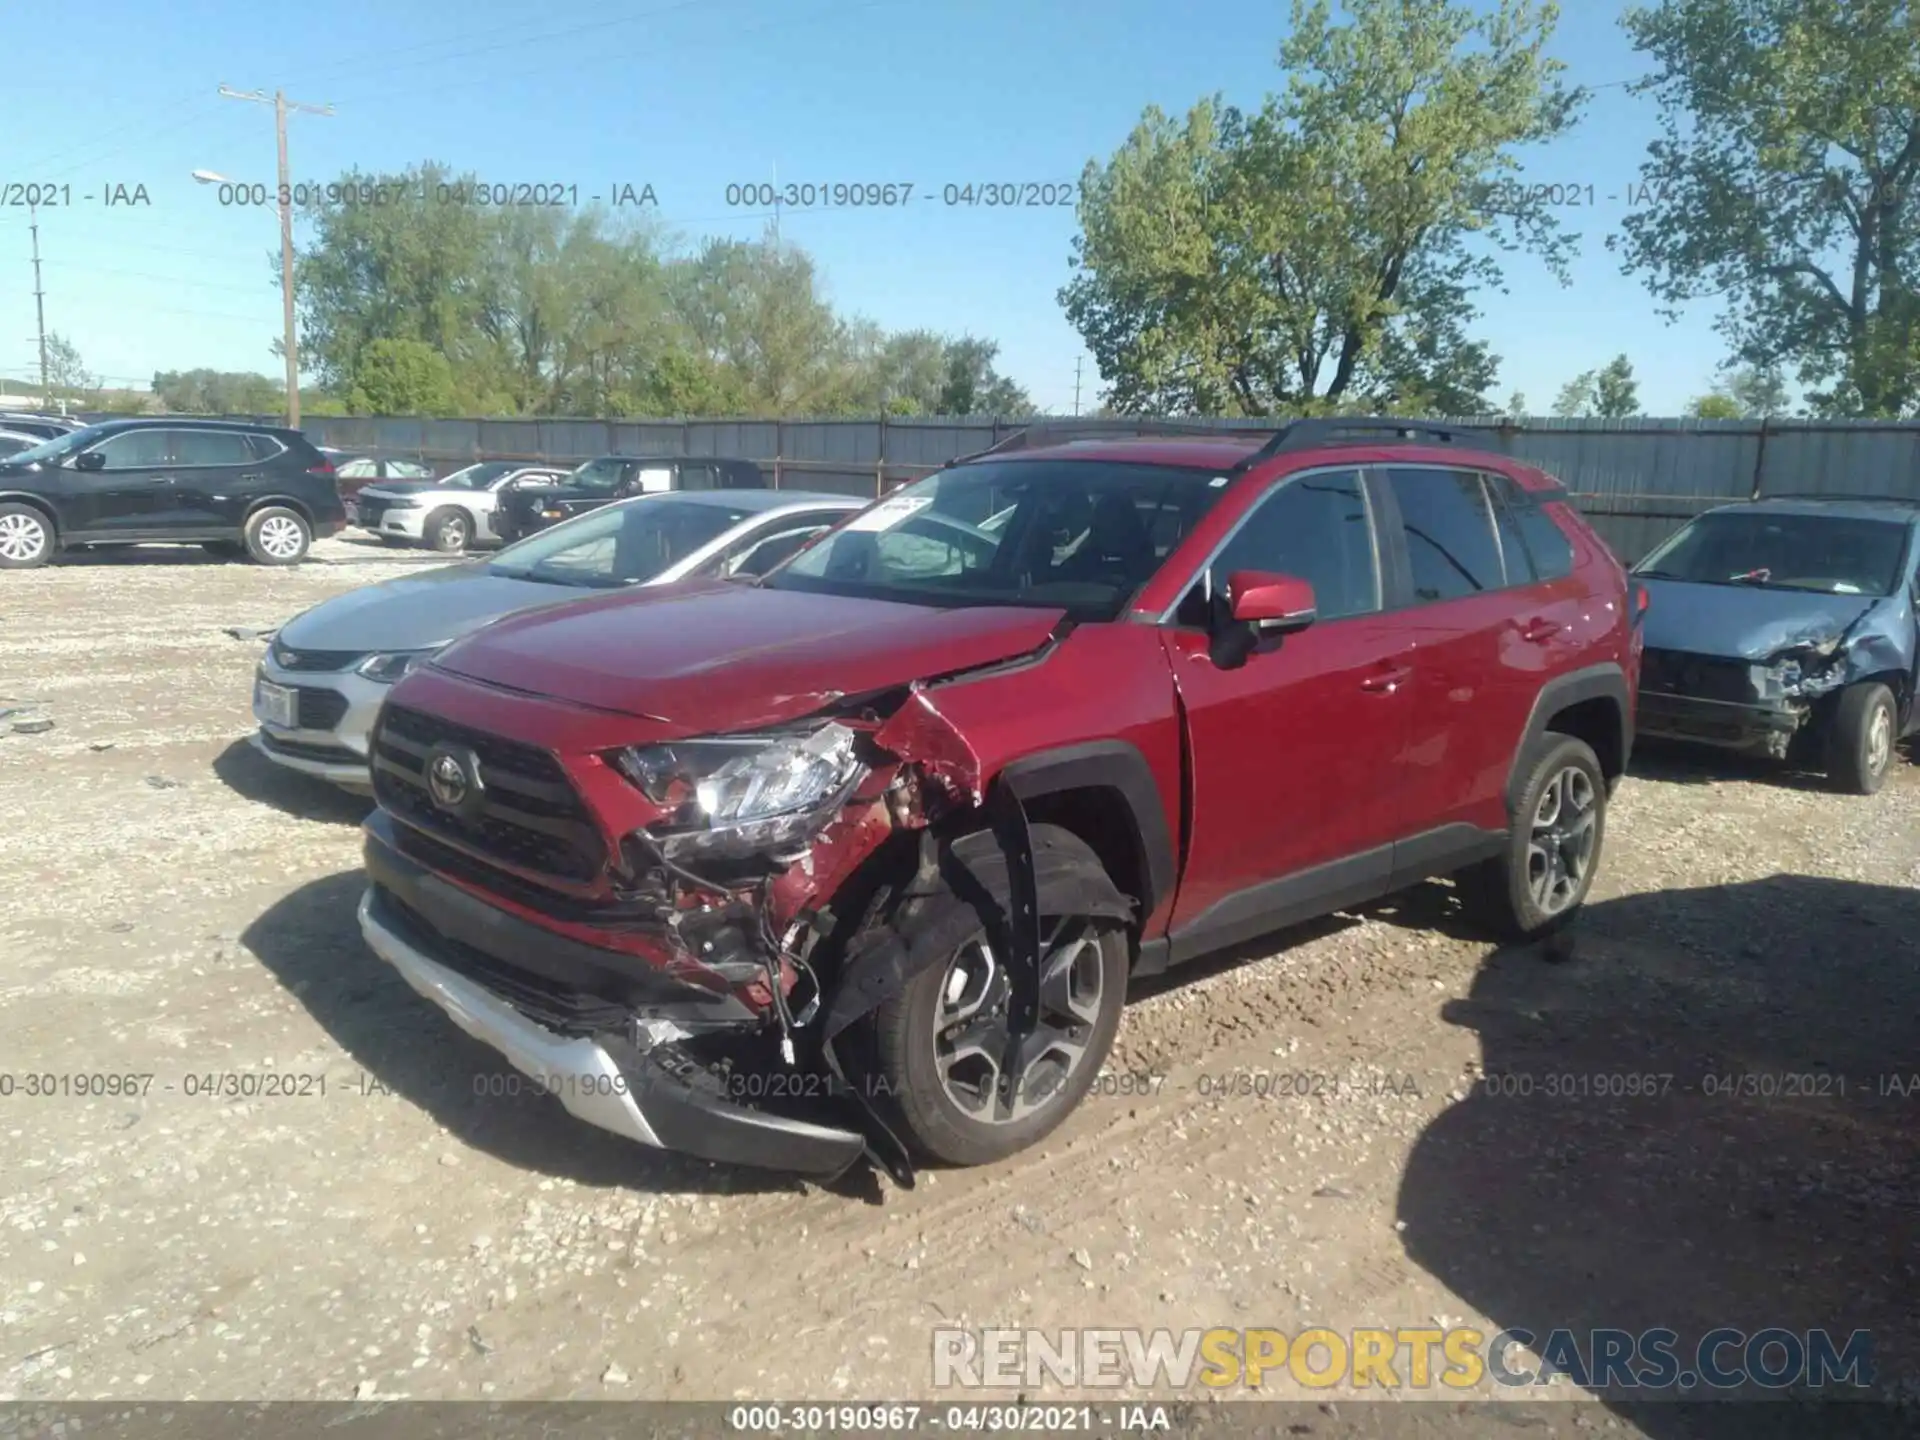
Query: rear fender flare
point(1606, 681)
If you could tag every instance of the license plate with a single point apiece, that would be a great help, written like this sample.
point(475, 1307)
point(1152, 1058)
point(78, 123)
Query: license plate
point(276, 704)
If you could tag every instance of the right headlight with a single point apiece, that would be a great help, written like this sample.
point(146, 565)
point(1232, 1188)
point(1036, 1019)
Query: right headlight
point(737, 795)
point(389, 666)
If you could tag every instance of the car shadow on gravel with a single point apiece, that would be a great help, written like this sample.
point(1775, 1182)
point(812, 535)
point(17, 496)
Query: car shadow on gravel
point(1703, 765)
point(414, 1055)
point(1707, 1114)
point(249, 774)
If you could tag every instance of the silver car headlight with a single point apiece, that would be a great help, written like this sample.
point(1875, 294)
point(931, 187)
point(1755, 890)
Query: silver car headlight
point(735, 795)
point(389, 666)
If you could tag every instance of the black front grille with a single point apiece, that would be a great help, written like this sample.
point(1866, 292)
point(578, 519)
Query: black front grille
point(1700, 677)
point(532, 821)
point(372, 512)
point(319, 709)
point(543, 1000)
point(313, 660)
point(300, 750)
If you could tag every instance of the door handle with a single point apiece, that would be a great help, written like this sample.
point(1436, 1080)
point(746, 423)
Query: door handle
point(1385, 682)
point(1539, 628)
point(159, 479)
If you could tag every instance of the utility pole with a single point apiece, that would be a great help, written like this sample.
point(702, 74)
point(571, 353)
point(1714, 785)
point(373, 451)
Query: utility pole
point(1076, 384)
point(39, 300)
point(281, 108)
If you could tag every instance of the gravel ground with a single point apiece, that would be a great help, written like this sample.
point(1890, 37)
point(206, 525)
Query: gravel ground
point(1316, 1141)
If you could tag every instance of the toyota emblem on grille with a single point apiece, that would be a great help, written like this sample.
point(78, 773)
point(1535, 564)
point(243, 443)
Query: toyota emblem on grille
point(453, 779)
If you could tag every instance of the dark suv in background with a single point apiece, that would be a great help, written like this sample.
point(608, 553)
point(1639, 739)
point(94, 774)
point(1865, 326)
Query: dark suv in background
point(861, 856)
point(615, 477)
point(238, 489)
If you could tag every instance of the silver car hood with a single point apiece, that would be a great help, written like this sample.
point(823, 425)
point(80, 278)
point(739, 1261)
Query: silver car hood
point(419, 612)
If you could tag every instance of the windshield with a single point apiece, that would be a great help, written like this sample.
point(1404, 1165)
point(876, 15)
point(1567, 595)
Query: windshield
point(1079, 534)
point(477, 477)
point(1831, 554)
point(64, 445)
point(627, 544)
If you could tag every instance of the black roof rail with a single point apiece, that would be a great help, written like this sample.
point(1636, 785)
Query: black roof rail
point(1908, 500)
point(1357, 430)
point(1062, 432)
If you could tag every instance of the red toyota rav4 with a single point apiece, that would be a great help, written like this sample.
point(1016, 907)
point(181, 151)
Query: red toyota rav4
point(860, 857)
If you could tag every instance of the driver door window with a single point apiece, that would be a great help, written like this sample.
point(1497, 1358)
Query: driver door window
point(136, 450)
point(1317, 527)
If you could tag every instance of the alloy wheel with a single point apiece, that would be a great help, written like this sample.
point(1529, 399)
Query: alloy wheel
point(1879, 740)
point(1560, 847)
point(22, 537)
point(280, 537)
point(992, 1074)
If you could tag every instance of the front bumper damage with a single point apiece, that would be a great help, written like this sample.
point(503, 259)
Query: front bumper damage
point(1738, 703)
point(699, 1023)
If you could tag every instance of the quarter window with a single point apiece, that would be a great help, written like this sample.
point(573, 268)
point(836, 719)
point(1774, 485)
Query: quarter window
point(1451, 548)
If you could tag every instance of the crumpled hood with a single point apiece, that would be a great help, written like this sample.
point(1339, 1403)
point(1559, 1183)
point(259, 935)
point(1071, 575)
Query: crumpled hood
point(417, 612)
point(1744, 622)
point(715, 655)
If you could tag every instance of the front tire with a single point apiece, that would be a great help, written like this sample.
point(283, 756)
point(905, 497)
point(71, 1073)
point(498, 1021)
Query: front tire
point(1860, 738)
point(1553, 845)
point(938, 1071)
point(276, 535)
point(26, 538)
point(449, 530)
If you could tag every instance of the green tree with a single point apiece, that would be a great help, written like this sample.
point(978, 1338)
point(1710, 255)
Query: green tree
point(68, 378)
point(1758, 390)
point(401, 377)
point(1716, 405)
point(1579, 396)
point(218, 392)
point(1784, 185)
point(1615, 392)
point(1516, 406)
point(1327, 247)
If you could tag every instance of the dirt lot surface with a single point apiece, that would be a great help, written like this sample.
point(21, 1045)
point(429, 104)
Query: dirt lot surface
point(1313, 1142)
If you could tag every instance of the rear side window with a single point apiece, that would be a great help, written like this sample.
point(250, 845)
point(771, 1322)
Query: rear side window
point(264, 447)
point(1451, 546)
point(211, 447)
point(1547, 545)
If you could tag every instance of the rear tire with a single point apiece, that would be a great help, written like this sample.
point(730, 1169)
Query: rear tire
point(1860, 736)
point(448, 530)
point(26, 538)
point(943, 1094)
point(1539, 882)
point(276, 535)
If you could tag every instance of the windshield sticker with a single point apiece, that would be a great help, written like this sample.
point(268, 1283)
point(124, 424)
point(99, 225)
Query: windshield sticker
point(889, 513)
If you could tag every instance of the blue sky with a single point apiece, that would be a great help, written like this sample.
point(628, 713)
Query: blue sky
point(690, 96)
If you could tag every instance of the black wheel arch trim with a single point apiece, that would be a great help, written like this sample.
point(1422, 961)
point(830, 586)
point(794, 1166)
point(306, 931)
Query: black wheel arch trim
point(1113, 765)
point(1067, 880)
point(1605, 681)
point(285, 502)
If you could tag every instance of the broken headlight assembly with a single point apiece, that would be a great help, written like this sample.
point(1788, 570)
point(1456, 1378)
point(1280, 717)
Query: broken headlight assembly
point(1802, 670)
point(730, 796)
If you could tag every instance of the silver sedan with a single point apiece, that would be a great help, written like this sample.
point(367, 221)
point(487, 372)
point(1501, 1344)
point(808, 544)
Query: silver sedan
point(327, 670)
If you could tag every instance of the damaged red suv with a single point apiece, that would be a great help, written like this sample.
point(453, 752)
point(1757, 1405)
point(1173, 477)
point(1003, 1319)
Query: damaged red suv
point(859, 858)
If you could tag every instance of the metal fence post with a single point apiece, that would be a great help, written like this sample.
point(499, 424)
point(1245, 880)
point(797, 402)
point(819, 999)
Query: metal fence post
point(779, 448)
point(880, 463)
point(1760, 459)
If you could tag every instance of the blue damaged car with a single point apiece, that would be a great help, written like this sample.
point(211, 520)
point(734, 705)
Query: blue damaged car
point(1786, 627)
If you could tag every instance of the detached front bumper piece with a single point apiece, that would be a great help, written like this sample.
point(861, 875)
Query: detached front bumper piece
point(1730, 724)
point(609, 1077)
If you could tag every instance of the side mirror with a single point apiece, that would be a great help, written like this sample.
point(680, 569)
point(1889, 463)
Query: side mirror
point(1256, 606)
point(1273, 604)
point(90, 460)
